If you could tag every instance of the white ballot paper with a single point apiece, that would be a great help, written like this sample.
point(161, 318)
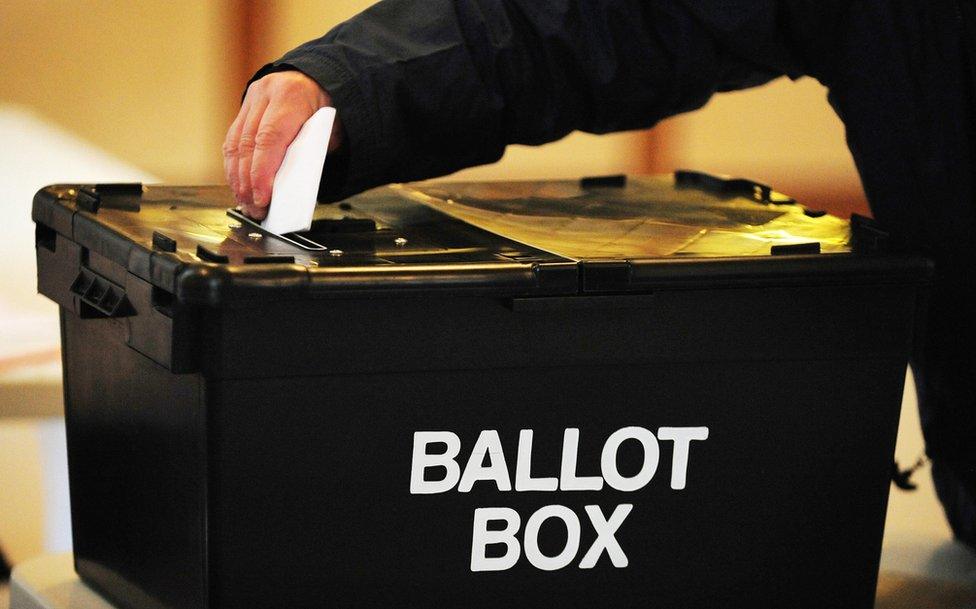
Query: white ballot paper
point(296, 185)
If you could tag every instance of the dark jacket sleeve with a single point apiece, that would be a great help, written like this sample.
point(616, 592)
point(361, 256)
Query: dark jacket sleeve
point(427, 87)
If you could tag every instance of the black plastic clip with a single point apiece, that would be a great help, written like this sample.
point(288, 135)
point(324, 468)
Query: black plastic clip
point(867, 236)
point(795, 249)
point(740, 187)
point(121, 188)
point(88, 200)
point(208, 255)
point(614, 181)
point(100, 294)
point(162, 242)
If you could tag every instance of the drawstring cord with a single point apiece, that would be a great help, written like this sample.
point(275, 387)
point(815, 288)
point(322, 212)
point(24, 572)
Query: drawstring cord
point(903, 477)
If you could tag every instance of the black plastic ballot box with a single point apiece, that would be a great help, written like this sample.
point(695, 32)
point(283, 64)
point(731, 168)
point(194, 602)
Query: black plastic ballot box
point(677, 391)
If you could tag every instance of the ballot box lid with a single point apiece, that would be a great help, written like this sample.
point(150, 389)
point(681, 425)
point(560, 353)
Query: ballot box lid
point(616, 234)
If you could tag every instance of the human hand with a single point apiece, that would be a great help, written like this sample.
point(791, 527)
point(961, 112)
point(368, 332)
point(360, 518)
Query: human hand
point(275, 108)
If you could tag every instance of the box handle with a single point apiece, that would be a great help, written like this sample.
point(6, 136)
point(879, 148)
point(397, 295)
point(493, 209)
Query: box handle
point(102, 297)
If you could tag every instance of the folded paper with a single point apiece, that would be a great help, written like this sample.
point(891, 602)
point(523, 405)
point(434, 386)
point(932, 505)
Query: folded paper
point(296, 184)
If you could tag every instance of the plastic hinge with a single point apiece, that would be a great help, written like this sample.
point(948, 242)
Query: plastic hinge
point(87, 200)
point(605, 275)
point(101, 294)
point(614, 181)
point(731, 186)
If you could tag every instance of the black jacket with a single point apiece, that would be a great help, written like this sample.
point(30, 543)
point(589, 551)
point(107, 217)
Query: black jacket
point(426, 87)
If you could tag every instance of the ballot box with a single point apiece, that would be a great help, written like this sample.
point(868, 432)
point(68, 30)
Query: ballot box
point(671, 391)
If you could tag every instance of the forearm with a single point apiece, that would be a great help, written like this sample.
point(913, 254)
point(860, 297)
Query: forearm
point(426, 87)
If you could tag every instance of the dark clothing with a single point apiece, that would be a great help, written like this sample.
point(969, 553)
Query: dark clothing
point(426, 87)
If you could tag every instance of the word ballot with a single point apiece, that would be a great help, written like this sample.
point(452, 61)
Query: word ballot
point(487, 463)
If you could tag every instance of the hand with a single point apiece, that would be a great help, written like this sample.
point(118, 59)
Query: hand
point(274, 109)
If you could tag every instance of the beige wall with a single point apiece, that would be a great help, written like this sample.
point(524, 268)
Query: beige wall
point(149, 81)
point(784, 133)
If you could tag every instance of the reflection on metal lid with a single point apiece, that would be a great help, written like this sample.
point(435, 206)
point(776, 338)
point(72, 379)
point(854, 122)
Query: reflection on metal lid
point(650, 217)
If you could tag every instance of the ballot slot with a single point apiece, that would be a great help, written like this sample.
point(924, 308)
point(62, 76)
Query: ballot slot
point(325, 233)
point(296, 239)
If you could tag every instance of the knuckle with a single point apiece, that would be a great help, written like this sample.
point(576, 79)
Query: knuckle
point(266, 138)
point(257, 86)
point(229, 148)
point(293, 86)
point(283, 79)
point(245, 145)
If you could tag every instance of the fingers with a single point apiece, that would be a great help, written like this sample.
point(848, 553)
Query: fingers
point(245, 154)
point(279, 126)
point(230, 148)
point(274, 110)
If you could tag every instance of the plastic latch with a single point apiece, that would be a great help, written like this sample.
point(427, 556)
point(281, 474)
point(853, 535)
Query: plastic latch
point(88, 200)
point(614, 181)
point(741, 187)
point(162, 242)
point(795, 249)
point(101, 294)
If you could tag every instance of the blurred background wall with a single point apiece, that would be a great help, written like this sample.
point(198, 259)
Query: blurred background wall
point(153, 84)
point(147, 81)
